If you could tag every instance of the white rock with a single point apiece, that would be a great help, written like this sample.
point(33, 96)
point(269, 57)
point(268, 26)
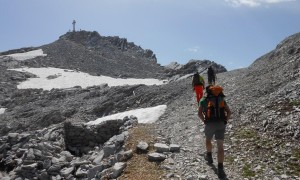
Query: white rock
point(203, 177)
point(99, 158)
point(143, 146)
point(161, 147)
point(66, 171)
point(117, 169)
point(156, 157)
point(284, 176)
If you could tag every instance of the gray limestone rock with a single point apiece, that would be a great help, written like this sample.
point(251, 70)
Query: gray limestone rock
point(156, 157)
point(124, 155)
point(65, 172)
point(81, 173)
point(161, 147)
point(174, 148)
point(109, 149)
point(92, 172)
point(99, 157)
point(142, 146)
point(117, 169)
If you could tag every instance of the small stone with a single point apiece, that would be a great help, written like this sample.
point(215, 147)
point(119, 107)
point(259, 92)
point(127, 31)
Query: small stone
point(81, 173)
point(94, 170)
point(174, 148)
point(99, 157)
point(257, 168)
point(203, 177)
point(170, 175)
point(117, 169)
point(161, 147)
point(66, 171)
point(156, 157)
point(284, 176)
point(142, 146)
point(124, 156)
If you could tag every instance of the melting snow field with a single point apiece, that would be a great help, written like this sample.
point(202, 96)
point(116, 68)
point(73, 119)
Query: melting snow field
point(49, 78)
point(144, 115)
point(27, 55)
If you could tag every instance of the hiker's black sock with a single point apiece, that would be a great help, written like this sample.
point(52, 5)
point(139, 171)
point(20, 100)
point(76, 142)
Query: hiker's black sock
point(209, 158)
point(221, 173)
point(220, 166)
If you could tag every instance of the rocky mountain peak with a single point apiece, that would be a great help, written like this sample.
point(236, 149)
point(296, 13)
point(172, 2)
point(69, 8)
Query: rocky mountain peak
point(94, 41)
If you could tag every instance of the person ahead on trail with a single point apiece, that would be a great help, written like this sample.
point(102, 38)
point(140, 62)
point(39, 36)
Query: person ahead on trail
point(198, 84)
point(211, 76)
point(214, 112)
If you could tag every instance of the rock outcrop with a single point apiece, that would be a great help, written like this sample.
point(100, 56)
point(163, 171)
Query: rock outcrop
point(51, 153)
point(175, 69)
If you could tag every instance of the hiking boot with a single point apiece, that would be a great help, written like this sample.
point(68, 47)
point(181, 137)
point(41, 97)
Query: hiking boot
point(209, 158)
point(221, 173)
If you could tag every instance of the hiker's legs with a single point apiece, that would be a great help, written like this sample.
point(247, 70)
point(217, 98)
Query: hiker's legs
point(209, 130)
point(199, 92)
point(208, 156)
point(220, 141)
point(221, 172)
point(209, 133)
point(208, 145)
point(220, 151)
point(209, 79)
point(220, 133)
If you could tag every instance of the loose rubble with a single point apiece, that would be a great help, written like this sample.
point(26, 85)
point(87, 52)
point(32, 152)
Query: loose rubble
point(51, 153)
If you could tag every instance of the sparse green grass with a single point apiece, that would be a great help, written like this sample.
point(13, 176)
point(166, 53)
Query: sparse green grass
point(246, 134)
point(247, 172)
point(295, 102)
point(229, 159)
point(295, 165)
point(296, 153)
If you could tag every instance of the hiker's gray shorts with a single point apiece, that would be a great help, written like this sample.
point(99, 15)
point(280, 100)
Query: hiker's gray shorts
point(215, 128)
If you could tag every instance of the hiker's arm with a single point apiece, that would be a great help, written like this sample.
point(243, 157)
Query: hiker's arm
point(228, 112)
point(200, 114)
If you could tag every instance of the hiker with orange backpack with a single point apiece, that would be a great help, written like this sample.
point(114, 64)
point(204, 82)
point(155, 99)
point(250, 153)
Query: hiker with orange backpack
point(214, 112)
point(198, 84)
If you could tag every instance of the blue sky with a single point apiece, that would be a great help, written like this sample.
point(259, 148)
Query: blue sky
point(231, 32)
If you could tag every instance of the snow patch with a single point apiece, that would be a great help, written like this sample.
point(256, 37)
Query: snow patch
point(27, 55)
point(68, 78)
point(144, 115)
point(2, 110)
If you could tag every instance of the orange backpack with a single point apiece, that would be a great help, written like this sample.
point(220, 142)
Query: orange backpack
point(215, 90)
point(215, 109)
